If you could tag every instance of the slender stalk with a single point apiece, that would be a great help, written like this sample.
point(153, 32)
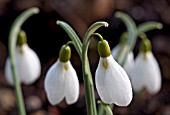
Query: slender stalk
point(89, 87)
point(12, 46)
point(132, 32)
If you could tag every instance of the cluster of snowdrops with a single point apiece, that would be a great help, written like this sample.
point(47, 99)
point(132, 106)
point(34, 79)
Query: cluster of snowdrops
point(118, 74)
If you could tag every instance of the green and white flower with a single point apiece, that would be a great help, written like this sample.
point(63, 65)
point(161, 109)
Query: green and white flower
point(61, 80)
point(146, 72)
point(112, 83)
point(27, 63)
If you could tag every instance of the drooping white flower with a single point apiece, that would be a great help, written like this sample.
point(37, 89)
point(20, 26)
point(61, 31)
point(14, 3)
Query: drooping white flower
point(62, 82)
point(146, 73)
point(129, 63)
point(27, 64)
point(112, 83)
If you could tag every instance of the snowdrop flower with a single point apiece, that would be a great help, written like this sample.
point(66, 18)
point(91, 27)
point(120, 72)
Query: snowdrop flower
point(61, 80)
point(27, 63)
point(146, 72)
point(129, 63)
point(112, 83)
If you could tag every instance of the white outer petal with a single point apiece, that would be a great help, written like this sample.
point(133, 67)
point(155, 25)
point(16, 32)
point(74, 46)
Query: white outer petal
point(153, 79)
point(130, 57)
point(8, 74)
point(137, 75)
point(113, 84)
point(146, 73)
point(100, 82)
point(54, 83)
point(27, 65)
point(115, 50)
point(128, 66)
point(71, 85)
point(117, 83)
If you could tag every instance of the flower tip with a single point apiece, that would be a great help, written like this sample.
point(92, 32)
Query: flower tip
point(118, 13)
point(58, 22)
point(69, 102)
point(129, 101)
point(52, 102)
point(65, 53)
point(36, 10)
point(160, 26)
point(22, 38)
point(106, 25)
point(125, 102)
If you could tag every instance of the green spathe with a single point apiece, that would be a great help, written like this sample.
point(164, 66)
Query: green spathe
point(22, 39)
point(145, 45)
point(104, 49)
point(65, 53)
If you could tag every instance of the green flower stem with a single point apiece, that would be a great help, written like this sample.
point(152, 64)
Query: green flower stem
point(97, 35)
point(145, 45)
point(82, 51)
point(132, 33)
point(69, 42)
point(12, 46)
point(103, 111)
point(105, 107)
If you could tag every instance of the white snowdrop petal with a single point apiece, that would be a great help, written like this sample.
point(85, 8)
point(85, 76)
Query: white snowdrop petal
point(117, 83)
point(8, 73)
point(153, 81)
point(54, 83)
point(146, 73)
point(71, 85)
point(100, 82)
point(129, 63)
point(112, 83)
point(29, 66)
point(128, 66)
point(115, 50)
point(138, 73)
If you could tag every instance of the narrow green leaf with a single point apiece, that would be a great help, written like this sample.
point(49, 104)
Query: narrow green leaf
point(147, 26)
point(73, 36)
